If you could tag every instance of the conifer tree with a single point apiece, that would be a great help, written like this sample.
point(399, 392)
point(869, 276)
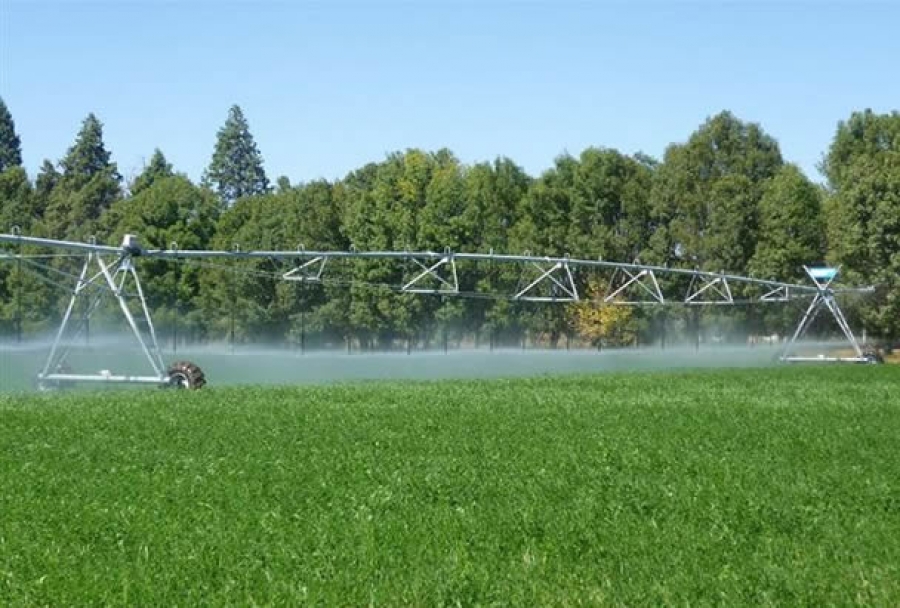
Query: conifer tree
point(88, 156)
point(87, 187)
point(10, 145)
point(236, 169)
point(158, 168)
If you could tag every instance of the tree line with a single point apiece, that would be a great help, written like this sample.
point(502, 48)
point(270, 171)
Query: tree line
point(723, 200)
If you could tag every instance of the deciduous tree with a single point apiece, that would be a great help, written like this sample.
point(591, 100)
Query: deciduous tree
point(863, 211)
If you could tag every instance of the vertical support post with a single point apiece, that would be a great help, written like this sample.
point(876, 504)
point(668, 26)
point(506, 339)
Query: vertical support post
point(600, 328)
point(175, 306)
point(87, 326)
point(696, 329)
point(19, 296)
point(662, 340)
point(233, 298)
point(175, 313)
point(302, 332)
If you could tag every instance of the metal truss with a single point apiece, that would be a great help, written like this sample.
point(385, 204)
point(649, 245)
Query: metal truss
point(708, 290)
point(776, 293)
point(641, 284)
point(431, 274)
point(550, 279)
point(824, 299)
point(96, 279)
point(632, 283)
point(310, 271)
point(557, 276)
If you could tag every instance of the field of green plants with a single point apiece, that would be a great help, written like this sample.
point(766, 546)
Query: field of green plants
point(754, 486)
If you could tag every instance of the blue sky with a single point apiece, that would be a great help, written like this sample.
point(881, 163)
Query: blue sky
point(329, 86)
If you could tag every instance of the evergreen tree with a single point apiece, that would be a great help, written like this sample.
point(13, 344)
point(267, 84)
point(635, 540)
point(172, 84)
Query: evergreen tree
point(88, 186)
point(158, 168)
point(10, 145)
point(47, 179)
point(236, 169)
point(89, 157)
point(25, 301)
point(16, 200)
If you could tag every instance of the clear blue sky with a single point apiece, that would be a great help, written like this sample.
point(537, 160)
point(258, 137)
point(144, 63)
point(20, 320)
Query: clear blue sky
point(329, 86)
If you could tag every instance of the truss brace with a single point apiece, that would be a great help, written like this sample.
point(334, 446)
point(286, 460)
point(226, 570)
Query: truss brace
point(644, 279)
point(310, 271)
point(824, 299)
point(107, 278)
point(449, 285)
point(776, 293)
point(714, 290)
point(559, 277)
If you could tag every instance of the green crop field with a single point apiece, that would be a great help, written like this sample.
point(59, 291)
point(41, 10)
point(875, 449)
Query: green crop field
point(734, 487)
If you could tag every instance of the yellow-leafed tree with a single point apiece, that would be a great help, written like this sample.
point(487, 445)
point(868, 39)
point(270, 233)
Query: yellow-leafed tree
point(602, 322)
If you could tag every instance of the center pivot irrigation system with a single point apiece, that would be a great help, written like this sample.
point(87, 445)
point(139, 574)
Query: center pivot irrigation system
point(113, 271)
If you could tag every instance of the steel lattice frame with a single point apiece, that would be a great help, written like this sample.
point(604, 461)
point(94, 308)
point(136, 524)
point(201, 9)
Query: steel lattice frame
point(436, 273)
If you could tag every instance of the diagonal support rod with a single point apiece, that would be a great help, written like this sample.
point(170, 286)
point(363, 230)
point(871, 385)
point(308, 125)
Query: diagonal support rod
point(638, 279)
point(776, 293)
point(432, 272)
point(547, 274)
point(110, 278)
point(310, 271)
point(824, 298)
point(716, 285)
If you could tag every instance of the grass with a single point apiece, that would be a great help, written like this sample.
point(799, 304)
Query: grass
point(762, 486)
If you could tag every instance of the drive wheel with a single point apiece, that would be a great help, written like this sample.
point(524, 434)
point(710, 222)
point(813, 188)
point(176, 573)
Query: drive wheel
point(185, 374)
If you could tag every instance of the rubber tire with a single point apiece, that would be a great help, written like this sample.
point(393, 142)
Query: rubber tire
point(186, 375)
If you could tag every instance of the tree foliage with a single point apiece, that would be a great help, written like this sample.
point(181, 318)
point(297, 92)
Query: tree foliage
point(158, 168)
point(236, 169)
point(722, 200)
point(87, 187)
point(601, 322)
point(863, 212)
point(791, 227)
point(706, 193)
point(10, 144)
